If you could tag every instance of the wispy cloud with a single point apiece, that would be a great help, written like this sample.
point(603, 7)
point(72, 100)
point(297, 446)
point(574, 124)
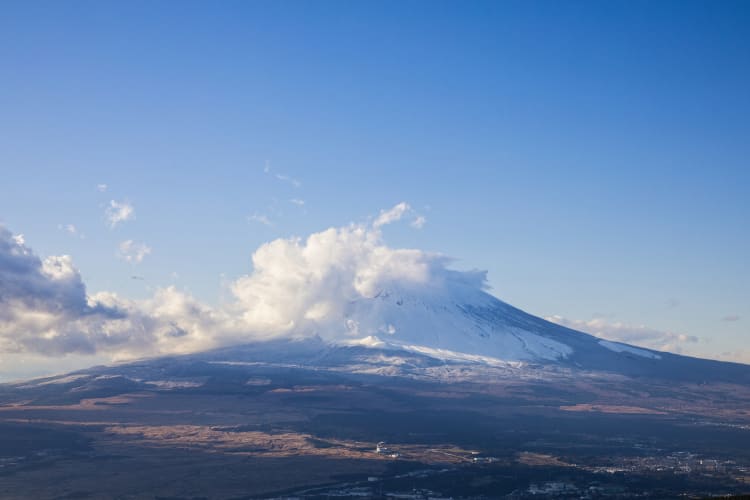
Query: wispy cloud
point(291, 180)
point(618, 331)
point(391, 215)
point(419, 222)
point(71, 229)
point(101, 187)
point(282, 177)
point(398, 212)
point(119, 212)
point(731, 318)
point(260, 218)
point(133, 252)
point(297, 201)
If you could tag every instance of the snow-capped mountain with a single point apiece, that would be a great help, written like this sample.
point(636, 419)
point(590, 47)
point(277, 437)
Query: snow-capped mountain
point(340, 292)
point(466, 325)
point(473, 323)
point(464, 334)
point(438, 332)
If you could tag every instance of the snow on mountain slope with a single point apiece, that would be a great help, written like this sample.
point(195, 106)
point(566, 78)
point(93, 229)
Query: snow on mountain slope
point(463, 325)
point(620, 347)
point(469, 322)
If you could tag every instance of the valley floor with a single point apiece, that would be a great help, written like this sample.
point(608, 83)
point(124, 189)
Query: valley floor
point(264, 432)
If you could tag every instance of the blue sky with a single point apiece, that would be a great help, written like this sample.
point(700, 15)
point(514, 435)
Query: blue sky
point(592, 156)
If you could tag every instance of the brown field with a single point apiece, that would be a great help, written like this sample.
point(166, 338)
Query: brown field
point(266, 438)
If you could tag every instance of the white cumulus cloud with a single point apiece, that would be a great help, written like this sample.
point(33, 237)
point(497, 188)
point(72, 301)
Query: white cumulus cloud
point(133, 252)
point(118, 212)
point(46, 310)
point(297, 287)
point(43, 303)
point(299, 284)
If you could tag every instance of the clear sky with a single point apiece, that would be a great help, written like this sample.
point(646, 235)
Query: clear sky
point(592, 156)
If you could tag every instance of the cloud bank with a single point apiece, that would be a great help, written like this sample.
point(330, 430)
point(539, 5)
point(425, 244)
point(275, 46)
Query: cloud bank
point(45, 310)
point(297, 287)
point(639, 335)
point(43, 303)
